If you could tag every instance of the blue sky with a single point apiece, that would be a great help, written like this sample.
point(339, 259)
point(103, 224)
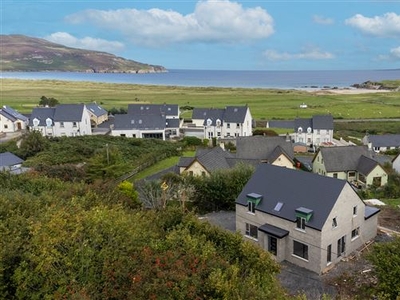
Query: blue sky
point(220, 34)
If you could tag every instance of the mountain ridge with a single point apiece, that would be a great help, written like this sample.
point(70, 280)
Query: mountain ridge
point(20, 53)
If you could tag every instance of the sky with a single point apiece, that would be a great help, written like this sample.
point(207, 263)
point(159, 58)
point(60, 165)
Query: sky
point(220, 34)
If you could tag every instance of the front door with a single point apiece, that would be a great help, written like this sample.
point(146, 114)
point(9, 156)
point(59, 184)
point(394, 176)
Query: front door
point(272, 245)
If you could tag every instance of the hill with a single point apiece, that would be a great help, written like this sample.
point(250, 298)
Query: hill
point(23, 53)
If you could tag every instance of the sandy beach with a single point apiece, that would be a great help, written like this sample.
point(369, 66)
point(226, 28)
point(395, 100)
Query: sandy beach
point(347, 91)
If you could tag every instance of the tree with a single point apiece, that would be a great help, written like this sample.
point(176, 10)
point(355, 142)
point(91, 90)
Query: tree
point(32, 143)
point(49, 102)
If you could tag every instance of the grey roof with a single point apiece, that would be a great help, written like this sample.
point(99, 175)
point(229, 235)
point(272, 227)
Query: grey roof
point(235, 114)
point(142, 122)
point(153, 109)
point(322, 122)
point(69, 112)
point(366, 165)
point(385, 140)
point(213, 159)
point(12, 114)
point(42, 113)
point(292, 188)
point(370, 211)
point(96, 109)
point(273, 230)
point(230, 114)
point(281, 124)
point(262, 147)
point(8, 159)
point(303, 123)
point(346, 158)
point(185, 161)
point(172, 123)
point(213, 114)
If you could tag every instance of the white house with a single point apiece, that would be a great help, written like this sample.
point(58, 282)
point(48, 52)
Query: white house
point(11, 120)
point(62, 120)
point(383, 142)
point(232, 121)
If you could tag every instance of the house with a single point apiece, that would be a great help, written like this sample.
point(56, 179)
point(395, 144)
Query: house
point(310, 220)
point(311, 132)
point(274, 150)
point(231, 121)
point(11, 120)
point(205, 162)
point(11, 163)
point(355, 164)
point(382, 143)
point(62, 120)
point(98, 115)
point(396, 163)
point(139, 126)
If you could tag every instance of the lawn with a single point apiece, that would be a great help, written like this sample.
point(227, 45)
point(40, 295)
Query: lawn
point(265, 104)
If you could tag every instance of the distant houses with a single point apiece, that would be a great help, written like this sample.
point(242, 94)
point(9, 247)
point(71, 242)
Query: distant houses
point(382, 143)
point(9, 162)
point(11, 120)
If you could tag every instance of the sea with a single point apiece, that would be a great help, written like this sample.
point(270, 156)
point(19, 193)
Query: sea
point(224, 78)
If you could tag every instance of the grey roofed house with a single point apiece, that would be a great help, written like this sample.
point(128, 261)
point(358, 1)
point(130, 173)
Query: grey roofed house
point(366, 165)
point(68, 112)
point(213, 114)
point(42, 113)
point(385, 140)
point(264, 148)
point(235, 114)
point(12, 114)
point(338, 159)
point(303, 189)
point(96, 109)
point(152, 109)
point(140, 122)
point(316, 122)
point(8, 159)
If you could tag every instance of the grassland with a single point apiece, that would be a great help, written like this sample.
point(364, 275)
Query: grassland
point(265, 104)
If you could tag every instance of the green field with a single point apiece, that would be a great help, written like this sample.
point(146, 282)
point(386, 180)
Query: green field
point(265, 104)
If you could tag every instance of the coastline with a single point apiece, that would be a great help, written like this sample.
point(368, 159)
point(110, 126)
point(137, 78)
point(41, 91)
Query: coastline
point(348, 91)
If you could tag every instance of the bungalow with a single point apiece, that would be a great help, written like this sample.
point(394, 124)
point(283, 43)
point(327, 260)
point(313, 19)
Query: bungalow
point(11, 163)
point(310, 220)
point(11, 120)
point(62, 120)
point(382, 143)
point(231, 121)
point(355, 164)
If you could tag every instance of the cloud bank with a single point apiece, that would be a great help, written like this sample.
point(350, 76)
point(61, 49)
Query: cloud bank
point(387, 25)
point(88, 43)
point(211, 22)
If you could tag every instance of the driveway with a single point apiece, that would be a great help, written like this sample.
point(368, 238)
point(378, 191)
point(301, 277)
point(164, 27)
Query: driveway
point(293, 278)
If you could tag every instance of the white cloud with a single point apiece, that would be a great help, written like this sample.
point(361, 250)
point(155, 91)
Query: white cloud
point(312, 54)
point(394, 55)
point(387, 25)
point(88, 43)
point(211, 22)
point(322, 20)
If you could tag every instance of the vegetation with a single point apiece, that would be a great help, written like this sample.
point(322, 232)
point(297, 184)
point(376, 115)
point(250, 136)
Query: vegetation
point(265, 104)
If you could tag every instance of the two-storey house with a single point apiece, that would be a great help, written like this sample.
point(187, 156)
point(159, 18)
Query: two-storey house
point(310, 220)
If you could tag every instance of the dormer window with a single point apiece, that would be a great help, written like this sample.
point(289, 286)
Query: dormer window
point(303, 215)
point(253, 200)
point(300, 130)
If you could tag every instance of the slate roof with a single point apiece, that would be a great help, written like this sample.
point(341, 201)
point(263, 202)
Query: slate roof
point(263, 147)
point(42, 113)
point(316, 122)
point(281, 124)
point(292, 188)
point(366, 165)
point(140, 122)
point(96, 109)
point(213, 159)
point(322, 122)
point(172, 123)
point(385, 140)
point(8, 159)
point(231, 114)
point(12, 114)
point(153, 109)
point(346, 158)
point(69, 112)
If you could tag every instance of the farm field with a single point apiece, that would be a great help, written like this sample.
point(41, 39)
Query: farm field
point(265, 104)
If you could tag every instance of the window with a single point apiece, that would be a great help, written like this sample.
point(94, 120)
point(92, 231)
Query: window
point(237, 125)
point(329, 254)
point(341, 246)
point(228, 125)
point(251, 231)
point(251, 206)
point(355, 233)
point(334, 175)
point(74, 124)
point(352, 174)
point(62, 124)
point(355, 210)
point(5, 126)
point(300, 250)
point(272, 245)
point(334, 223)
point(301, 223)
